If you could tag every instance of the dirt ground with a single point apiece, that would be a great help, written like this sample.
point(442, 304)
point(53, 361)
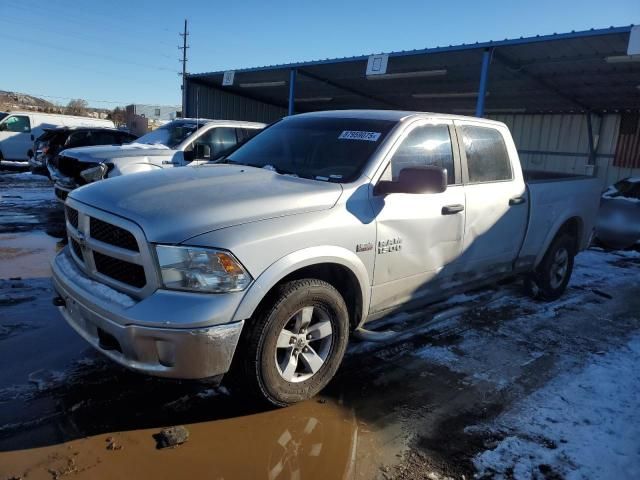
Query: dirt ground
point(453, 398)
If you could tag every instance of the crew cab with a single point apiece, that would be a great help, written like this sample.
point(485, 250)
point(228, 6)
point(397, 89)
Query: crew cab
point(178, 143)
point(263, 264)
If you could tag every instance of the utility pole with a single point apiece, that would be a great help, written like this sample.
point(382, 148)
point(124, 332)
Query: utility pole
point(184, 47)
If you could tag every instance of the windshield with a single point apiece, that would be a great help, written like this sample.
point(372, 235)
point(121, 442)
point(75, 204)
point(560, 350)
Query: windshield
point(2, 115)
point(169, 135)
point(328, 149)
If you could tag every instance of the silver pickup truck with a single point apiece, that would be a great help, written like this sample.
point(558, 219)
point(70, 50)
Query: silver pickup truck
point(185, 141)
point(263, 264)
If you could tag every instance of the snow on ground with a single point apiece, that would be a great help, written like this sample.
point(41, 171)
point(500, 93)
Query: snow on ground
point(22, 176)
point(11, 163)
point(589, 422)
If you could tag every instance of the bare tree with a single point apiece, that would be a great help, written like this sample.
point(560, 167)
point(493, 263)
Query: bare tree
point(118, 117)
point(77, 107)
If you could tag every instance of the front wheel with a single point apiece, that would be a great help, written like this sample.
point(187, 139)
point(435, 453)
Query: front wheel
point(293, 347)
point(552, 275)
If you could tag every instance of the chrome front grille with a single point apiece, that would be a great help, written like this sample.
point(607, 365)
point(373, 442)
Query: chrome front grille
point(112, 234)
point(72, 216)
point(110, 249)
point(119, 270)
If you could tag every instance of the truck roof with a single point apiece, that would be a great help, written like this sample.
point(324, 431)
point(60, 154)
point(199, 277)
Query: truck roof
point(392, 115)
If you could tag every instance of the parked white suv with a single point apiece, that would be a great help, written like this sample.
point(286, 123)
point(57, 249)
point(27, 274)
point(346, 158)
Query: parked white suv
point(178, 143)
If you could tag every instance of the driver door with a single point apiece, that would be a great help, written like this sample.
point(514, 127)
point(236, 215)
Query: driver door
point(419, 236)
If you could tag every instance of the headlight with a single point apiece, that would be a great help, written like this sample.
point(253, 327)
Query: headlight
point(94, 173)
point(200, 270)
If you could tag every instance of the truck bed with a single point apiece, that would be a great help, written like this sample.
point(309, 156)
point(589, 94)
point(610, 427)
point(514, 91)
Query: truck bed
point(554, 198)
point(539, 176)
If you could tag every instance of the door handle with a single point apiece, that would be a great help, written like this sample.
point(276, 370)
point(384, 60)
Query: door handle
point(452, 209)
point(517, 201)
point(32, 137)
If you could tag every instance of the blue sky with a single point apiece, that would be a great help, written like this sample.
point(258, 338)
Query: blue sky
point(117, 52)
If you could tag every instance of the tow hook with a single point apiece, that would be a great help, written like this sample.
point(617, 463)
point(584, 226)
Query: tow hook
point(59, 302)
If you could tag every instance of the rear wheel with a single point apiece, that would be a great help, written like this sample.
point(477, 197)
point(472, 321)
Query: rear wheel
point(293, 347)
point(552, 276)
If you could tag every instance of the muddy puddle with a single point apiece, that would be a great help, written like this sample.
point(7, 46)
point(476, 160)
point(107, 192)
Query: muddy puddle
point(27, 254)
point(311, 440)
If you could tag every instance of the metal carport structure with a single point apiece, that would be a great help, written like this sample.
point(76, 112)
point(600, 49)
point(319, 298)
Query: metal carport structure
point(592, 73)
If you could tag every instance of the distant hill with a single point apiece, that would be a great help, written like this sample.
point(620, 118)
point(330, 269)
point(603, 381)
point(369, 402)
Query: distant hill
point(20, 101)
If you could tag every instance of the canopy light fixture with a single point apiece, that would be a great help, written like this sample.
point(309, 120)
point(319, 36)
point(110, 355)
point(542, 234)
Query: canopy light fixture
point(490, 110)
point(314, 99)
point(447, 95)
point(622, 59)
point(279, 83)
point(419, 74)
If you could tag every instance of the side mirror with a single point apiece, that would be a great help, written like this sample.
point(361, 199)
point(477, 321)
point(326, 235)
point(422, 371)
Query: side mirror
point(3, 127)
point(202, 151)
point(416, 180)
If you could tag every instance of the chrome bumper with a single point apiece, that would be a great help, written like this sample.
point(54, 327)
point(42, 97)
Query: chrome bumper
point(188, 353)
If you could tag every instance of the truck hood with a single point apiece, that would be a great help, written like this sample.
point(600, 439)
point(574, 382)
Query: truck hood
point(104, 153)
point(176, 204)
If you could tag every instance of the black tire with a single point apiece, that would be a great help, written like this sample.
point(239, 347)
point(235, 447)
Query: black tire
point(255, 368)
point(546, 282)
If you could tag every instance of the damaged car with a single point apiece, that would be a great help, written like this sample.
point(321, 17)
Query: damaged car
point(618, 225)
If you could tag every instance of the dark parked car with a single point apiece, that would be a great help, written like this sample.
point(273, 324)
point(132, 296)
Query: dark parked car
point(618, 223)
point(48, 145)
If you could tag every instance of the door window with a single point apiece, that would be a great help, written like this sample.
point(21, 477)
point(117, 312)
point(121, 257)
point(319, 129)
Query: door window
point(487, 157)
point(103, 137)
point(214, 142)
point(79, 139)
point(423, 146)
point(18, 124)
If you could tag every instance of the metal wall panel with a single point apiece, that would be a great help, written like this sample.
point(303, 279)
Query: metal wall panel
point(537, 136)
point(207, 102)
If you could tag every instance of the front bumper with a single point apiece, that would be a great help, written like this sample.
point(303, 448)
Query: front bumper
point(188, 353)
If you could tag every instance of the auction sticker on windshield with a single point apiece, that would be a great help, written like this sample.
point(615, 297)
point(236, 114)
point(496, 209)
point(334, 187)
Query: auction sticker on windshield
point(359, 135)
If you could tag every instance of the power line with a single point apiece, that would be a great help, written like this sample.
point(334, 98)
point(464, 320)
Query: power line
point(115, 102)
point(89, 54)
point(75, 34)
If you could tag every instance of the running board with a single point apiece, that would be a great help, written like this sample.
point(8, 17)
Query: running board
point(382, 336)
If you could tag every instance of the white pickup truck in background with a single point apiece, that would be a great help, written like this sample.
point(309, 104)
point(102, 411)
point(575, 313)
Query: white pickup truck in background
point(176, 144)
point(265, 263)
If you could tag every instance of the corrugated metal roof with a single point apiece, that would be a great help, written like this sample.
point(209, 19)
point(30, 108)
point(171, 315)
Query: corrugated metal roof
point(559, 72)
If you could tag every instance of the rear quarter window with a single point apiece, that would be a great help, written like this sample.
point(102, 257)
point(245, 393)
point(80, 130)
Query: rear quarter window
point(486, 152)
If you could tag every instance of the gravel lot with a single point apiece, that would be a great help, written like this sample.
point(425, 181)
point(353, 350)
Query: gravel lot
point(513, 388)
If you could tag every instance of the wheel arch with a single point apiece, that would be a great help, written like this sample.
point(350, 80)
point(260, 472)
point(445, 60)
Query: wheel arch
point(574, 226)
point(337, 266)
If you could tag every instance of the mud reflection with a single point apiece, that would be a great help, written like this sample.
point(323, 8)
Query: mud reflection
point(27, 254)
point(307, 441)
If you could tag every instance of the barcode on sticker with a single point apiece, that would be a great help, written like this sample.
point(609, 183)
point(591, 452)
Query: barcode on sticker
point(359, 135)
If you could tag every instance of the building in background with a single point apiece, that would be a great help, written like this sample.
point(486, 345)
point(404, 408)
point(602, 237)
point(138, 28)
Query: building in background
point(142, 118)
point(571, 100)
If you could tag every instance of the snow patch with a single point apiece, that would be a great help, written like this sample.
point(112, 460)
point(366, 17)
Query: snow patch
point(581, 425)
point(144, 146)
point(23, 176)
point(92, 287)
